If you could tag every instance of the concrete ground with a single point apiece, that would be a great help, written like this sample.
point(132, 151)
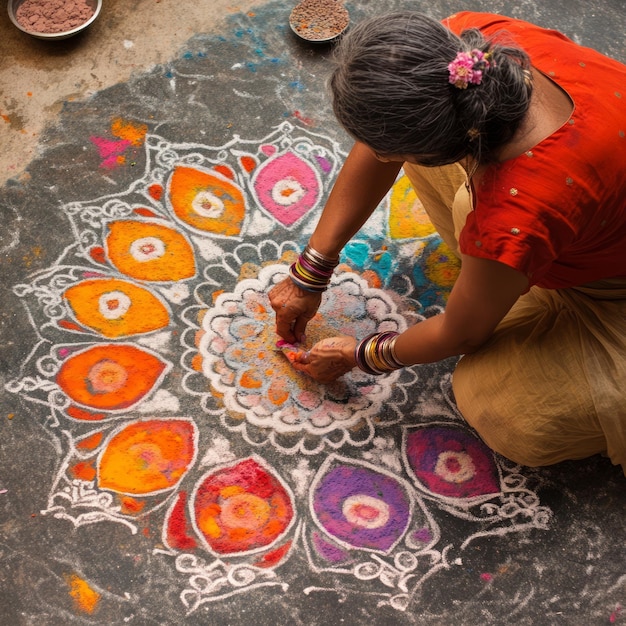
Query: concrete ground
point(38, 77)
point(88, 129)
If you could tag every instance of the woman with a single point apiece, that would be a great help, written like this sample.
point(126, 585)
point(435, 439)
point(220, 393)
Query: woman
point(514, 138)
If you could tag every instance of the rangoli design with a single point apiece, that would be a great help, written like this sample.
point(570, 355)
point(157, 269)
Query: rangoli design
point(171, 406)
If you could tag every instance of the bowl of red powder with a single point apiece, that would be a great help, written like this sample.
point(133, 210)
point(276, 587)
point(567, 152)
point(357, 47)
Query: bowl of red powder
point(53, 19)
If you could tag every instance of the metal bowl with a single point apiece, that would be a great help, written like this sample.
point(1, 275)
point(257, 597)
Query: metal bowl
point(15, 4)
point(312, 34)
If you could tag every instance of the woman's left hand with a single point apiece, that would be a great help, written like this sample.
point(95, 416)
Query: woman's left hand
point(328, 359)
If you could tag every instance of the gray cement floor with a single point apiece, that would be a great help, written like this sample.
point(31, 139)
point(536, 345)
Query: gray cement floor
point(196, 77)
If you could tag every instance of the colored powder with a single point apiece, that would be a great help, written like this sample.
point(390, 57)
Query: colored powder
point(85, 598)
point(129, 131)
point(53, 16)
point(293, 352)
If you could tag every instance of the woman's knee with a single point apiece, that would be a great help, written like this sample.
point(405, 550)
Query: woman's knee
point(517, 432)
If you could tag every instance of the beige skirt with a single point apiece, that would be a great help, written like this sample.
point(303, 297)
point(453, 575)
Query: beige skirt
point(550, 384)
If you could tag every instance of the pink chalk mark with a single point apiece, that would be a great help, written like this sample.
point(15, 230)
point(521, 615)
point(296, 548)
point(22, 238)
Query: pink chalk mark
point(486, 576)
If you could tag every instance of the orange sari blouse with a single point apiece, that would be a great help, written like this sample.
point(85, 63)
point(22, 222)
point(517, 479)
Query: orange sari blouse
point(558, 212)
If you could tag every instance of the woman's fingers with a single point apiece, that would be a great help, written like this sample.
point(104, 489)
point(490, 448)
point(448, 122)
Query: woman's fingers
point(285, 328)
point(328, 360)
point(294, 309)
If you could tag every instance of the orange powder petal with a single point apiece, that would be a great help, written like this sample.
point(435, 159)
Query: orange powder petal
point(88, 301)
point(207, 200)
point(173, 260)
point(85, 470)
point(109, 377)
point(145, 457)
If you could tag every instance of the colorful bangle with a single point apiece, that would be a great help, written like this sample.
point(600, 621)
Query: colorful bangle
point(376, 353)
point(312, 271)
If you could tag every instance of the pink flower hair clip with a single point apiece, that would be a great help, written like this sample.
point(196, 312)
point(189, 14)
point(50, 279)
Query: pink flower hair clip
point(467, 68)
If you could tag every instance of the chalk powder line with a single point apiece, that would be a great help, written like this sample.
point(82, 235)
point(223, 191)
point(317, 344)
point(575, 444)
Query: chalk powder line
point(161, 303)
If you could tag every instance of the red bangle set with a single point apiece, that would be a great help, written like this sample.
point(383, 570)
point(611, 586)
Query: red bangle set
point(376, 353)
point(312, 271)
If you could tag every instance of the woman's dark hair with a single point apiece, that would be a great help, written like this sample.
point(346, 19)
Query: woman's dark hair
point(390, 90)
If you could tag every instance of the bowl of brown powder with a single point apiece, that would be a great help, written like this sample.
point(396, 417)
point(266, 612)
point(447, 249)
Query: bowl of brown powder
point(319, 21)
point(53, 19)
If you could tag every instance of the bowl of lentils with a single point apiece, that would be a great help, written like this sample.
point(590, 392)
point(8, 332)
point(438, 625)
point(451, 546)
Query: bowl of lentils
point(319, 21)
point(53, 19)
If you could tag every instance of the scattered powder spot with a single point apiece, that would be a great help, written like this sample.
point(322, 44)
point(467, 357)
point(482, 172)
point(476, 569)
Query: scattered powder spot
point(129, 131)
point(85, 598)
point(305, 120)
point(34, 254)
point(15, 121)
point(109, 150)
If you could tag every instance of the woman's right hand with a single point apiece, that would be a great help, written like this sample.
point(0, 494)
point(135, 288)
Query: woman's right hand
point(294, 308)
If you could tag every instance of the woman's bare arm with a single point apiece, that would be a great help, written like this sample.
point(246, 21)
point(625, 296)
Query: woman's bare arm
point(360, 186)
point(483, 294)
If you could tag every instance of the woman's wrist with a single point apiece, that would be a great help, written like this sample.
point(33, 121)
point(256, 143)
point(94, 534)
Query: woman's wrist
point(320, 244)
point(376, 353)
point(312, 270)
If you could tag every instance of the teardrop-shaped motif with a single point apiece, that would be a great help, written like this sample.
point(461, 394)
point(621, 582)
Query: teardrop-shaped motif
point(241, 508)
point(149, 251)
point(206, 201)
point(116, 308)
point(110, 377)
point(148, 456)
point(450, 461)
point(360, 506)
point(287, 187)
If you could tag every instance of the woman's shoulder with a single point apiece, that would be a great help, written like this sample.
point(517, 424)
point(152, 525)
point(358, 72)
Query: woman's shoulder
point(496, 25)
